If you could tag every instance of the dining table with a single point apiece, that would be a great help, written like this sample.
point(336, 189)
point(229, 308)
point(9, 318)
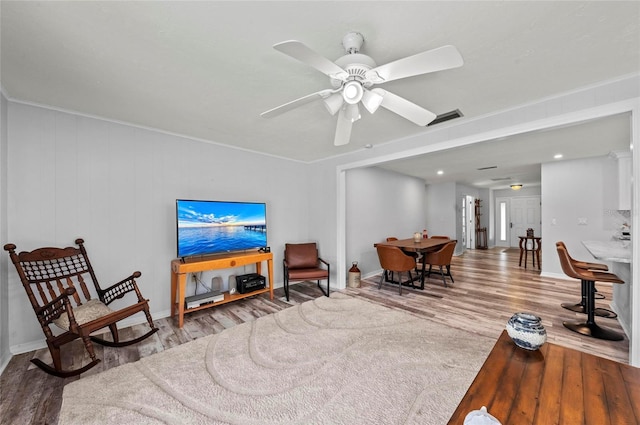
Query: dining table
point(422, 246)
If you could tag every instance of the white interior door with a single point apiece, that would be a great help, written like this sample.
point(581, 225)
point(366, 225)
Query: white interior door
point(524, 214)
point(470, 222)
point(463, 225)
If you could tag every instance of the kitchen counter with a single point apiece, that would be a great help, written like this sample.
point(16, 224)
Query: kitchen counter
point(616, 251)
point(618, 254)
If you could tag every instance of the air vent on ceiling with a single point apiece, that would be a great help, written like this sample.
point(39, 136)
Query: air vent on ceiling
point(446, 117)
point(487, 168)
point(499, 179)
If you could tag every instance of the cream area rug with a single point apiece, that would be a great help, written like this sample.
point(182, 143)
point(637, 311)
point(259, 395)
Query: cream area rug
point(337, 360)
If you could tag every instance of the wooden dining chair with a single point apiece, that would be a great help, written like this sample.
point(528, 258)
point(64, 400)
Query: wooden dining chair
point(394, 260)
point(56, 283)
point(388, 276)
point(442, 259)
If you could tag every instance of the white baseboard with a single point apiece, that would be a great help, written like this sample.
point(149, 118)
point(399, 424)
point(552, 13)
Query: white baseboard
point(371, 274)
point(131, 321)
point(4, 361)
point(557, 276)
point(25, 347)
point(616, 310)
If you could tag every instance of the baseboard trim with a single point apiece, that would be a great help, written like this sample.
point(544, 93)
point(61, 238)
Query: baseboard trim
point(138, 319)
point(131, 321)
point(4, 361)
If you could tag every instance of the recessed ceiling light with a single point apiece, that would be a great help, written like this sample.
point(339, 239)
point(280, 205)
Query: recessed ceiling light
point(368, 146)
point(440, 172)
point(557, 156)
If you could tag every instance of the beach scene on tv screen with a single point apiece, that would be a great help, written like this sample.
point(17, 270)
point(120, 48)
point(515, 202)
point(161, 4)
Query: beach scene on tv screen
point(207, 227)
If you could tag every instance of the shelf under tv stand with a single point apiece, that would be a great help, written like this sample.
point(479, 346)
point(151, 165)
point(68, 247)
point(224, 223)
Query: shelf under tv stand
point(180, 268)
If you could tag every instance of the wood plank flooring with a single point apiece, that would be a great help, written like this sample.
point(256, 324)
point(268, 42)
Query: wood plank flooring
point(489, 287)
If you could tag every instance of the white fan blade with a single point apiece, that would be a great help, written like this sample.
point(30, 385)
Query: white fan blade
point(343, 129)
point(298, 102)
point(301, 52)
point(352, 112)
point(404, 108)
point(445, 57)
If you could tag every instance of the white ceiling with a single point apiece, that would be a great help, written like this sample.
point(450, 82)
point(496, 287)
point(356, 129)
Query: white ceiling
point(207, 69)
point(518, 159)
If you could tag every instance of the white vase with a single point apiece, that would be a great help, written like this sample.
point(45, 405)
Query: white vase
point(526, 331)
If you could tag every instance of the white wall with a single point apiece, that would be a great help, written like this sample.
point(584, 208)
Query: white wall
point(321, 216)
point(571, 190)
point(444, 210)
point(5, 355)
point(380, 204)
point(115, 185)
point(441, 209)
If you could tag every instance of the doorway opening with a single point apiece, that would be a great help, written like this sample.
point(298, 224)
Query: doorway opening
point(514, 215)
point(468, 220)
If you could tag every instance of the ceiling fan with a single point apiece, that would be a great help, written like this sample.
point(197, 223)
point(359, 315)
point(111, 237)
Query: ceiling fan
point(352, 76)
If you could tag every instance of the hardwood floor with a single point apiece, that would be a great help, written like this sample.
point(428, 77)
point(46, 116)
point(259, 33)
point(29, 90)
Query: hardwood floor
point(489, 287)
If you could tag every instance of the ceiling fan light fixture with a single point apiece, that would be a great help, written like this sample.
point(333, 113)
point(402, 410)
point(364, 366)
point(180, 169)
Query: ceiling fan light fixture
point(516, 186)
point(353, 74)
point(352, 92)
point(352, 112)
point(333, 103)
point(371, 100)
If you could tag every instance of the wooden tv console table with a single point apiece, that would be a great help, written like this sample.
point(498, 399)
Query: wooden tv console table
point(179, 270)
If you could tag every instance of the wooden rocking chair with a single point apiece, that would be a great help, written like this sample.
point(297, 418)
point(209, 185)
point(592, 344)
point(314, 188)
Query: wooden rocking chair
point(56, 283)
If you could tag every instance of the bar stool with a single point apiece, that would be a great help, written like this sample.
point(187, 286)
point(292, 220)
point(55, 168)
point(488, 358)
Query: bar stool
point(588, 277)
point(580, 307)
point(536, 245)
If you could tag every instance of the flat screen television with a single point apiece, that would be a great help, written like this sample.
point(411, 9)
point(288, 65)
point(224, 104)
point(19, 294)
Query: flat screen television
point(213, 227)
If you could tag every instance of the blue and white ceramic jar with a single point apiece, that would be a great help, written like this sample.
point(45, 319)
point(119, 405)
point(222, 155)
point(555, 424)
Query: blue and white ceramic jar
point(526, 330)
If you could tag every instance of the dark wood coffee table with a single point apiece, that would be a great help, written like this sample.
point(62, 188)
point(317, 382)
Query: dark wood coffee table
point(553, 385)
